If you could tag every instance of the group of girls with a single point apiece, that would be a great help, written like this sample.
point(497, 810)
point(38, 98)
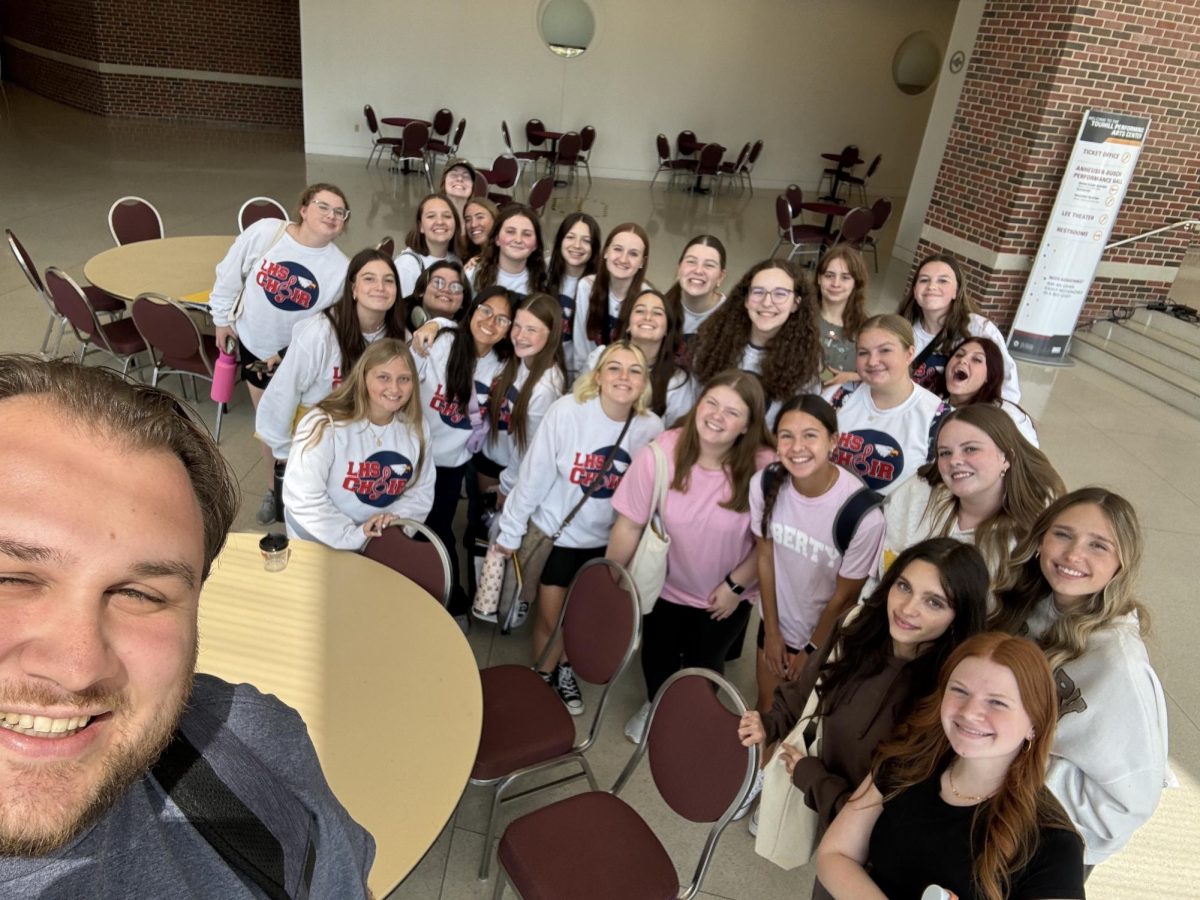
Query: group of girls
point(976, 531)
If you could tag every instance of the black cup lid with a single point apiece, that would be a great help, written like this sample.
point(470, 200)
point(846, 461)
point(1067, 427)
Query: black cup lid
point(273, 543)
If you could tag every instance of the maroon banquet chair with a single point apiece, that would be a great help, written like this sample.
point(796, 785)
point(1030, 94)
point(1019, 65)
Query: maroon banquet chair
point(811, 238)
point(175, 343)
point(568, 153)
point(668, 164)
point(503, 175)
point(686, 143)
point(424, 561)
point(855, 226)
point(412, 148)
point(481, 186)
point(387, 245)
point(595, 846)
point(132, 219)
point(119, 339)
point(523, 157)
point(734, 168)
point(101, 302)
point(258, 208)
point(881, 210)
point(854, 181)
point(845, 161)
point(443, 119)
point(748, 168)
point(587, 137)
point(445, 149)
point(534, 142)
point(539, 194)
point(379, 143)
point(526, 727)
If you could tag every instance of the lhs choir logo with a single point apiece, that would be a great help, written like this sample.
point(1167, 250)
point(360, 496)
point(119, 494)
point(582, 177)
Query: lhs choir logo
point(927, 372)
point(872, 454)
point(588, 465)
point(380, 479)
point(288, 285)
point(450, 411)
point(568, 309)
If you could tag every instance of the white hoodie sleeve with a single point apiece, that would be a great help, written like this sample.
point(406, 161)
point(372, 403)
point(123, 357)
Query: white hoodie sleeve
point(579, 339)
point(296, 373)
point(545, 392)
point(417, 499)
point(537, 478)
point(306, 491)
point(232, 271)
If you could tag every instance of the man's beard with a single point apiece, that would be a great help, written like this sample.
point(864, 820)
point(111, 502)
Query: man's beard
point(39, 816)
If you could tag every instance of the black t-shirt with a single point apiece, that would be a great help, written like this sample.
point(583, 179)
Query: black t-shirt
point(921, 840)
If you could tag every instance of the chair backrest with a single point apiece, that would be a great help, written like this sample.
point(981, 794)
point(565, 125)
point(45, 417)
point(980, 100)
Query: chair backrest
point(755, 152)
point(481, 186)
point(874, 165)
point(387, 244)
point(568, 148)
point(372, 122)
point(741, 157)
point(443, 120)
point(881, 211)
point(601, 620)
point(72, 303)
point(458, 135)
point(855, 225)
point(686, 143)
point(505, 170)
point(531, 126)
point(424, 562)
point(710, 159)
point(540, 193)
point(795, 197)
point(587, 137)
point(415, 137)
point(25, 262)
point(506, 135)
point(259, 208)
point(132, 219)
point(849, 154)
point(167, 328)
point(783, 213)
point(663, 146)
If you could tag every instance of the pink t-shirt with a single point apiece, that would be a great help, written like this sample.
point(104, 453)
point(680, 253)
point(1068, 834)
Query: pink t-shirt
point(807, 564)
point(707, 540)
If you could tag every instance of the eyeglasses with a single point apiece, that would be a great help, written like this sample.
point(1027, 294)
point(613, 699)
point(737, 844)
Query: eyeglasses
point(338, 211)
point(441, 284)
point(779, 296)
point(490, 315)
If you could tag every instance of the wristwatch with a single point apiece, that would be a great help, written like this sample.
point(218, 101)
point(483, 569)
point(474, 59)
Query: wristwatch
point(738, 589)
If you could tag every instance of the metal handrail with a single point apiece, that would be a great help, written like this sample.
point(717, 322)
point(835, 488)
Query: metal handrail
point(1190, 224)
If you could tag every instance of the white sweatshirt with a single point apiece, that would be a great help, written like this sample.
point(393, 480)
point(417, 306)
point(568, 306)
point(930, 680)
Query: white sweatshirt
point(449, 422)
point(308, 374)
point(977, 326)
point(681, 392)
point(285, 284)
point(752, 360)
point(1109, 762)
point(411, 263)
point(515, 283)
point(355, 471)
point(693, 320)
point(501, 446)
point(565, 456)
point(583, 298)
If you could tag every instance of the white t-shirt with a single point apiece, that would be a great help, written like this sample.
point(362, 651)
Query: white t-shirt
point(286, 282)
point(579, 337)
point(693, 320)
point(681, 392)
point(307, 375)
point(449, 421)
point(566, 455)
point(884, 446)
point(752, 362)
point(807, 562)
point(516, 283)
point(411, 263)
point(353, 472)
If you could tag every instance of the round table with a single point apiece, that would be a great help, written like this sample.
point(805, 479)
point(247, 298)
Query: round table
point(180, 267)
point(382, 675)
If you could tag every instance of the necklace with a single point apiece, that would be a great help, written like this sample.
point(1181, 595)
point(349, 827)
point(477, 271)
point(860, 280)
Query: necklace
point(378, 435)
point(954, 791)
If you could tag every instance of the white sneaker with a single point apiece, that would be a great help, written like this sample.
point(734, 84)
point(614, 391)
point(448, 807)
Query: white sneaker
point(754, 821)
point(755, 790)
point(635, 728)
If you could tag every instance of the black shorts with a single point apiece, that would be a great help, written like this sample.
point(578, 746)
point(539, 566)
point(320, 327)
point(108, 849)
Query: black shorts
point(564, 562)
point(762, 636)
point(486, 466)
point(251, 376)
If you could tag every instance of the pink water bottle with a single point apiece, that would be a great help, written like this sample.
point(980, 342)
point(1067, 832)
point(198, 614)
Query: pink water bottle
point(224, 376)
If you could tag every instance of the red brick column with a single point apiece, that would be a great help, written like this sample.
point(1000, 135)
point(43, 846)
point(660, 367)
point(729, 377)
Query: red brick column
point(217, 60)
point(1034, 70)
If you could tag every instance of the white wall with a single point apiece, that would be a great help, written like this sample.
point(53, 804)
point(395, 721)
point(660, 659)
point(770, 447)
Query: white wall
point(807, 76)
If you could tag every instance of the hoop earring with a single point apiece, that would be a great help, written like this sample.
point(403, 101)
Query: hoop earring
point(1028, 744)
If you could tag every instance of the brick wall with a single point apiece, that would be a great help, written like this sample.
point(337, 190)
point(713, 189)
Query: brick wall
point(1034, 70)
point(256, 38)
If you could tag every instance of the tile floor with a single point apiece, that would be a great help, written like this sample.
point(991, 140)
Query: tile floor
point(61, 169)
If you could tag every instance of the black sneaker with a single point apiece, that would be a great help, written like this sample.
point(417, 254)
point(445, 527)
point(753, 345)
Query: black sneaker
point(568, 689)
point(547, 677)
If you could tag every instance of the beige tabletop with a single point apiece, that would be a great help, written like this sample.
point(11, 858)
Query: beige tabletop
point(381, 674)
point(180, 267)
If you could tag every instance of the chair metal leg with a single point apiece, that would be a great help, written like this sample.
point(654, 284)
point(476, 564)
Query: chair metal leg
point(501, 882)
point(490, 832)
point(46, 336)
point(775, 249)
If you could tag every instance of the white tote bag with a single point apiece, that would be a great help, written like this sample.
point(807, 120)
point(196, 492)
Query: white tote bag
point(649, 564)
point(787, 826)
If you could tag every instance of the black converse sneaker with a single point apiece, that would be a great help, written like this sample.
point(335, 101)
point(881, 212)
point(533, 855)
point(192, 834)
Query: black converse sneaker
point(568, 689)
